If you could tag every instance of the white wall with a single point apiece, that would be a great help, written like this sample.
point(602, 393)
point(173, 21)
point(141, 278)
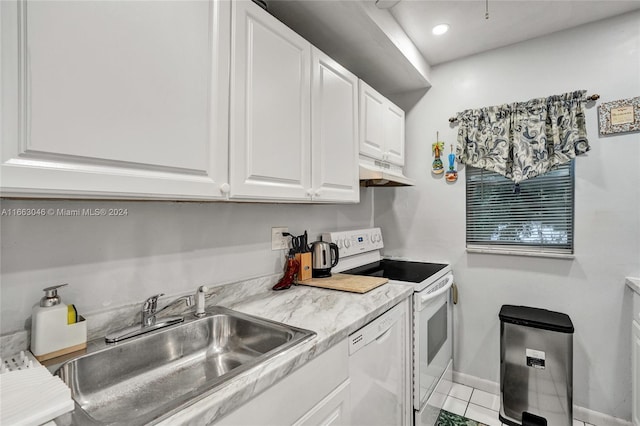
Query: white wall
point(158, 247)
point(428, 221)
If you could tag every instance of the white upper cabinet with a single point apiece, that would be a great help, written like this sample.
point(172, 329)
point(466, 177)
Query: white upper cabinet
point(270, 108)
point(195, 100)
point(382, 127)
point(372, 127)
point(294, 120)
point(334, 137)
point(118, 99)
point(394, 134)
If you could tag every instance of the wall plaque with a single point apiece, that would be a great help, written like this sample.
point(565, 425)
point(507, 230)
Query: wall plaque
point(621, 116)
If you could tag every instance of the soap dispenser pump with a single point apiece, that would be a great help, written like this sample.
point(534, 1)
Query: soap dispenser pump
point(53, 331)
point(51, 297)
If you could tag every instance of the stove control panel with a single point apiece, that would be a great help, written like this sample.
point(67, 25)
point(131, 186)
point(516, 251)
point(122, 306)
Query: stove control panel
point(354, 242)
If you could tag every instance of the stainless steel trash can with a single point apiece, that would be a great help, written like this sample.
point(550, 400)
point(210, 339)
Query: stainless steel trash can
point(536, 367)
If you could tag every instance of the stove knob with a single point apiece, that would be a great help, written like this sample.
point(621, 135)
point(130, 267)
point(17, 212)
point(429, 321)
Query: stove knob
point(339, 243)
point(347, 243)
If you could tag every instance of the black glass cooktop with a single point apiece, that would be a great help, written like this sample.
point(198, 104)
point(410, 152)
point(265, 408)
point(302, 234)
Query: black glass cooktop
point(398, 270)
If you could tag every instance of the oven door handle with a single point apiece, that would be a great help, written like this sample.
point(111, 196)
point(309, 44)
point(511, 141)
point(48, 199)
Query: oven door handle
point(424, 299)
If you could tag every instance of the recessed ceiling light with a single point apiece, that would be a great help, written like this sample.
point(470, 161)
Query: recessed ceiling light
point(440, 29)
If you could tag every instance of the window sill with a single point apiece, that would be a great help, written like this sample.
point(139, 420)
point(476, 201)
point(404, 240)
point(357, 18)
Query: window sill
point(511, 252)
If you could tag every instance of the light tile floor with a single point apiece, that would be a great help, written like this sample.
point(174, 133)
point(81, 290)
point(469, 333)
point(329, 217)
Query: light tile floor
point(479, 405)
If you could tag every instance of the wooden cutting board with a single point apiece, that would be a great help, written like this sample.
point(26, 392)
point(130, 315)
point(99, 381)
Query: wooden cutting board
point(344, 282)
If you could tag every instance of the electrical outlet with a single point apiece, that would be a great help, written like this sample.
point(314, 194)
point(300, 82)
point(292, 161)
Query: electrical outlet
point(279, 241)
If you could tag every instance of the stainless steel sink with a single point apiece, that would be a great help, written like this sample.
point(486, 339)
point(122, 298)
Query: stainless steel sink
point(146, 379)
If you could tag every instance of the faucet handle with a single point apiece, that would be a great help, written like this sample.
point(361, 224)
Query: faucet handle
point(200, 302)
point(151, 304)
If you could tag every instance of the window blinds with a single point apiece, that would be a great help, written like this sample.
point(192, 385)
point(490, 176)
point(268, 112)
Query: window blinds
point(537, 219)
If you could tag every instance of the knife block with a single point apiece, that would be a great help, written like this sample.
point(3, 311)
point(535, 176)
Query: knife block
point(305, 266)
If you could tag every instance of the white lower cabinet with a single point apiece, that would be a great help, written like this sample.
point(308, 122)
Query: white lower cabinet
point(315, 391)
point(367, 385)
point(635, 361)
point(636, 374)
point(115, 99)
point(334, 410)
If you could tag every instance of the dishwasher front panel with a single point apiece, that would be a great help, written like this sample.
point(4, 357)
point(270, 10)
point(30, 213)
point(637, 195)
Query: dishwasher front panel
point(379, 368)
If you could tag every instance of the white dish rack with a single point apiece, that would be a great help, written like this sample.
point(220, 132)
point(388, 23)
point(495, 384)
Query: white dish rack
point(20, 361)
point(30, 394)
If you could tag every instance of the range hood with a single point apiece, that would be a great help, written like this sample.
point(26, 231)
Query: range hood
point(370, 175)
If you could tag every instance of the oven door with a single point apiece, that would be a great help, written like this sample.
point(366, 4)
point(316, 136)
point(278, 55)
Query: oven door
point(432, 333)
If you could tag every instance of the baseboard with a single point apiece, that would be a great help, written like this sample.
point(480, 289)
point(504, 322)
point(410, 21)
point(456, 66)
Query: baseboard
point(596, 418)
point(579, 413)
point(476, 382)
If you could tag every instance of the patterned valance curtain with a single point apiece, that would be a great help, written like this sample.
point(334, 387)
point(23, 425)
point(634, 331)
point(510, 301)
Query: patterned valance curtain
point(524, 139)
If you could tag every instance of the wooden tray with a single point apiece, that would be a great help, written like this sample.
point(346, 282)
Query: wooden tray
point(344, 282)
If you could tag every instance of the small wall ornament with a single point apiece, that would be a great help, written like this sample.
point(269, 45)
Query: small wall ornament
point(437, 147)
point(621, 116)
point(452, 174)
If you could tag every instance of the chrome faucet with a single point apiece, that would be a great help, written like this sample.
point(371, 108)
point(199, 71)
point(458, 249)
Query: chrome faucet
point(150, 305)
point(150, 320)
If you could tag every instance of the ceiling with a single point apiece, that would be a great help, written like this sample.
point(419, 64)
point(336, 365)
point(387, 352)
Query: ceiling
point(509, 22)
point(390, 46)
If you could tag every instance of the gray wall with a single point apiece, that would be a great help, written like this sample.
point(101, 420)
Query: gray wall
point(428, 221)
point(158, 247)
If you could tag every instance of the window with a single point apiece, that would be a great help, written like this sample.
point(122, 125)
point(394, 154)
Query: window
point(537, 220)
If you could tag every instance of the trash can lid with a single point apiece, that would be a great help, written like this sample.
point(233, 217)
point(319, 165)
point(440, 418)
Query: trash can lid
point(537, 318)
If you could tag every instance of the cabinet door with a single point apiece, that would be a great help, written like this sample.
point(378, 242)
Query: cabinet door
point(635, 379)
point(394, 134)
point(115, 99)
point(297, 395)
point(270, 107)
point(334, 134)
point(334, 410)
point(372, 127)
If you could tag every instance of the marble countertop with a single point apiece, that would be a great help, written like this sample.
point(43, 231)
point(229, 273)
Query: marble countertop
point(333, 315)
point(633, 283)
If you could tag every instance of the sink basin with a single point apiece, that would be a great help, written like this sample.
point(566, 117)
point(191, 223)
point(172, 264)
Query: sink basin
point(147, 379)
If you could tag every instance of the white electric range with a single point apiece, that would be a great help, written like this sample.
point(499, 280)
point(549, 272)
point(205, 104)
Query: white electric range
point(360, 254)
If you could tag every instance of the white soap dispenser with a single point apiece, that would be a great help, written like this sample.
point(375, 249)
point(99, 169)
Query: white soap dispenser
point(52, 333)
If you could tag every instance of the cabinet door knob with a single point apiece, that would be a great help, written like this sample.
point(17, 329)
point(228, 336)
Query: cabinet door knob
point(317, 193)
point(224, 188)
point(309, 192)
